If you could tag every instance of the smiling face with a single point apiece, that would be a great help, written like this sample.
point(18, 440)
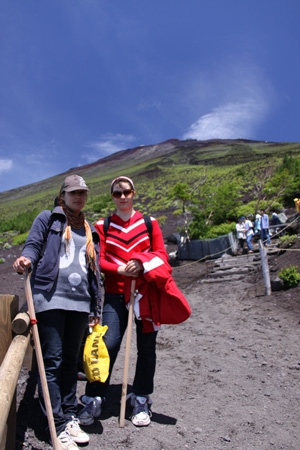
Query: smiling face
point(123, 195)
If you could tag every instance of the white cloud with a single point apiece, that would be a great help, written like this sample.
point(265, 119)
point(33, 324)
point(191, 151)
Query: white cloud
point(231, 103)
point(5, 165)
point(108, 144)
point(229, 121)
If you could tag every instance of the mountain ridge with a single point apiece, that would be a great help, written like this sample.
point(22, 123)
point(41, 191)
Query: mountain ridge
point(145, 152)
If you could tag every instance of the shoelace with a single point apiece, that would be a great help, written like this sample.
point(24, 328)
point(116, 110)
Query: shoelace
point(89, 408)
point(65, 437)
point(75, 423)
point(139, 408)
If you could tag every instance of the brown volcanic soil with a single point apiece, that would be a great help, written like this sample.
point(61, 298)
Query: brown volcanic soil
point(227, 378)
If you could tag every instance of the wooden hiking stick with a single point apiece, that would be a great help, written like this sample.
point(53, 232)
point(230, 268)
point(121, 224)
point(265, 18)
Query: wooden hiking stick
point(127, 353)
point(40, 361)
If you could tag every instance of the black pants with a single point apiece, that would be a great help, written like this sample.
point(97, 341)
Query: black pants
point(115, 316)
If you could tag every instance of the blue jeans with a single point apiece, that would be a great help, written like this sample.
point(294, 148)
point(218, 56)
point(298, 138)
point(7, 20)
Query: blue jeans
point(249, 241)
point(61, 333)
point(115, 316)
point(265, 237)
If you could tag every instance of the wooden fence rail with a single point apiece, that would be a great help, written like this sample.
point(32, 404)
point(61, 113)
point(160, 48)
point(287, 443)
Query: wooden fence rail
point(12, 353)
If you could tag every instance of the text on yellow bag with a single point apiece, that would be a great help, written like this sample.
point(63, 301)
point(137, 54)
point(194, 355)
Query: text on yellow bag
point(95, 355)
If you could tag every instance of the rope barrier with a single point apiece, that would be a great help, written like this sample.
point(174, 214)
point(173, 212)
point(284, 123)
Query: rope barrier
point(289, 249)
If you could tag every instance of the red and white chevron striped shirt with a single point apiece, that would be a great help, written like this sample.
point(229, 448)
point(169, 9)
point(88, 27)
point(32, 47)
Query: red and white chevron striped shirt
point(123, 238)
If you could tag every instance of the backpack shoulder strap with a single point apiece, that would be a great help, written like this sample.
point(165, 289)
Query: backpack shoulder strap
point(106, 223)
point(148, 223)
point(50, 221)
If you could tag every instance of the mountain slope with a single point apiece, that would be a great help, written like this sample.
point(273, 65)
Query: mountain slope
point(154, 168)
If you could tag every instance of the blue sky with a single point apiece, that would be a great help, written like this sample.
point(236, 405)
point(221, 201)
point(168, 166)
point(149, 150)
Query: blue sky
point(80, 79)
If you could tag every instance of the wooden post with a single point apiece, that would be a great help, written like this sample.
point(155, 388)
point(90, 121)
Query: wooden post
point(9, 374)
point(265, 267)
point(21, 323)
point(8, 309)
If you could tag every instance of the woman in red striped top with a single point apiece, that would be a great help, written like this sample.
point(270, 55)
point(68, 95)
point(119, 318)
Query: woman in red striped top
point(127, 234)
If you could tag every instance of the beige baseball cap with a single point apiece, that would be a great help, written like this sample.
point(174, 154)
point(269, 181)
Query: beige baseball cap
point(74, 183)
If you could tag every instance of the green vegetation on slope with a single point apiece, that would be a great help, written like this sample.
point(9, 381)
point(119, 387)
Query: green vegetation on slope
point(209, 183)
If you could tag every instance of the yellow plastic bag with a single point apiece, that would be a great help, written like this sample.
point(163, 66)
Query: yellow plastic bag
point(95, 355)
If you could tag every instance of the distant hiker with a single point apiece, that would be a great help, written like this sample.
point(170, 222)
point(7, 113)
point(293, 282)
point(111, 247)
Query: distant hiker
point(131, 249)
point(241, 233)
point(264, 225)
point(297, 204)
point(275, 221)
point(62, 249)
point(249, 234)
point(257, 226)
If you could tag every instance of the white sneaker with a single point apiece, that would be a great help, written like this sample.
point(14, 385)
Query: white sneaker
point(141, 411)
point(65, 442)
point(76, 432)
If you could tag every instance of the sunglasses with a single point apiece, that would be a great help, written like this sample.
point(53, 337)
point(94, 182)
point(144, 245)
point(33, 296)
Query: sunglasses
point(118, 194)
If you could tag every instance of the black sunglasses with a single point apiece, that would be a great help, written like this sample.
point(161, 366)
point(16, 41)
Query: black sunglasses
point(118, 194)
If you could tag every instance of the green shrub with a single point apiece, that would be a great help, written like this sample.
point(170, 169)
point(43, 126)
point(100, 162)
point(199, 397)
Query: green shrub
point(22, 222)
point(198, 226)
point(102, 203)
point(19, 239)
point(219, 230)
point(290, 276)
point(2, 260)
point(287, 241)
